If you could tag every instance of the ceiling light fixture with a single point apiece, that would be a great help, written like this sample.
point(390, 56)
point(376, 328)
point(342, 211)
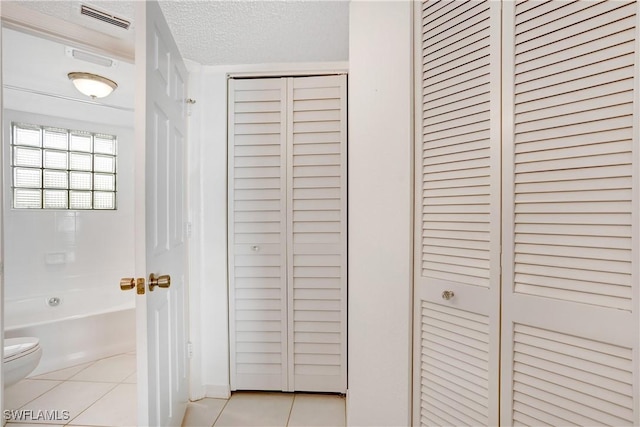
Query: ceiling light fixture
point(92, 85)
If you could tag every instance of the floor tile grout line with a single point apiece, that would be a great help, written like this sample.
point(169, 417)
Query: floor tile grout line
point(294, 398)
point(89, 364)
point(116, 385)
point(40, 395)
point(89, 381)
point(293, 402)
point(221, 411)
point(96, 401)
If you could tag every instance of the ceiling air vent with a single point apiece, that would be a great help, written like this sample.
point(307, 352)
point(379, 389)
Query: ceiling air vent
point(104, 17)
point(82, 55)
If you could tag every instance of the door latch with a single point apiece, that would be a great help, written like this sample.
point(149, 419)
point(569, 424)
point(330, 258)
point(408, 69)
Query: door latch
point(128, 283)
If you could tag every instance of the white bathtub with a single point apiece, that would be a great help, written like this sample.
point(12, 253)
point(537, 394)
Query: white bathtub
point(86, 325)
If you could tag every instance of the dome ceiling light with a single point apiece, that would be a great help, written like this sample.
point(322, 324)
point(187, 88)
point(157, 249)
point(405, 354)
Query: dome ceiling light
point(92, 85)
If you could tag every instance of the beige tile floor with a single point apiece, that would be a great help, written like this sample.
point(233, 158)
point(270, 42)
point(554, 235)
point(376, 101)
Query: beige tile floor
point(267, 409)
point(100, 393)
point(103, 393)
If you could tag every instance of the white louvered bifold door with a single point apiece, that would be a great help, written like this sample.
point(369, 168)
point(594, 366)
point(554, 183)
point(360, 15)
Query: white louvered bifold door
point(570, 273)
point(287, 233)
point(257, 234)
point(457, 214)
point(317, 212)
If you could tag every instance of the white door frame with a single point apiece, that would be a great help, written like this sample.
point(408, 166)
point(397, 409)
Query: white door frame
point(1, 222)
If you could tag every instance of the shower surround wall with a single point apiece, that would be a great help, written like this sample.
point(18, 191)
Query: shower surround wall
point(64, 253)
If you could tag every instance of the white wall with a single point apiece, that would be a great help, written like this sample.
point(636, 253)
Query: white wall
point(95, 248)
point(208, 249)
point(380, 213)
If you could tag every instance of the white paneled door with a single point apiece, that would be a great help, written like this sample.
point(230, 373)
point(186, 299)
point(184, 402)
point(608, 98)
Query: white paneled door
point(287, 233)
point(161, 142)
point(526, 268)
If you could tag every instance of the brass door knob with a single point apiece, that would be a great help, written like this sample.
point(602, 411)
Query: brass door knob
point(161, 281)
point(127, 283)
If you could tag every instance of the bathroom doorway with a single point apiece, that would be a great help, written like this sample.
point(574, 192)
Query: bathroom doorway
point(69, 232)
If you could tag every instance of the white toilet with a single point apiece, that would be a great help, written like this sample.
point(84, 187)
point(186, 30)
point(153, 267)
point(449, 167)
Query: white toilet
point(21, 356)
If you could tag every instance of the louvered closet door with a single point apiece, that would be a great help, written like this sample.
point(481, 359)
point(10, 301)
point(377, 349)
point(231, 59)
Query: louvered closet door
point(457, 214)
point(317, 213)
point(257, 234)
point(287, 233)
point(570, 304)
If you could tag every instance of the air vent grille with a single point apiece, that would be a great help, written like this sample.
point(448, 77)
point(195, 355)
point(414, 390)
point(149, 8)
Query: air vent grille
point(104, 17)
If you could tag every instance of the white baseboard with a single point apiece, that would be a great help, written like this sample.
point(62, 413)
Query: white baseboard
point(217, 391)
point(197, 392)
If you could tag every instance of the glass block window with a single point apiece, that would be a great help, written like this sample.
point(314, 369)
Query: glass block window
point(62, 168)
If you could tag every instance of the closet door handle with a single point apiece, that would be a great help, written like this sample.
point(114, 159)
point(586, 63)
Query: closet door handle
point(447, 295)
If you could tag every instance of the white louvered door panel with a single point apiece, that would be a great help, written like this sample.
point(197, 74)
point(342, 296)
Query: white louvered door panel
point(457, 213)
point(570, 273)
point(257, 234)
point(317, 225)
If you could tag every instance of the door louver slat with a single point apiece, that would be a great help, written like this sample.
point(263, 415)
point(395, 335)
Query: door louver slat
point(450, 349)
point(587, 165)
point(548, 375)
point(455, 146)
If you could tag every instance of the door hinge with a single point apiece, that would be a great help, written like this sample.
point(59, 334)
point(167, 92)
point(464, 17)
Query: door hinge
point(189, 350)
point(188, 228)
point(189, 102)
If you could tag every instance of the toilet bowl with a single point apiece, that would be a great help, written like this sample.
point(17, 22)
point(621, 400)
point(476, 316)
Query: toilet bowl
point(21, 357)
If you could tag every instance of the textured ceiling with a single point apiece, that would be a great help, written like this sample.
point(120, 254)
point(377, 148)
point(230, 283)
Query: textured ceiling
point(240, 31)
point(245, 32)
